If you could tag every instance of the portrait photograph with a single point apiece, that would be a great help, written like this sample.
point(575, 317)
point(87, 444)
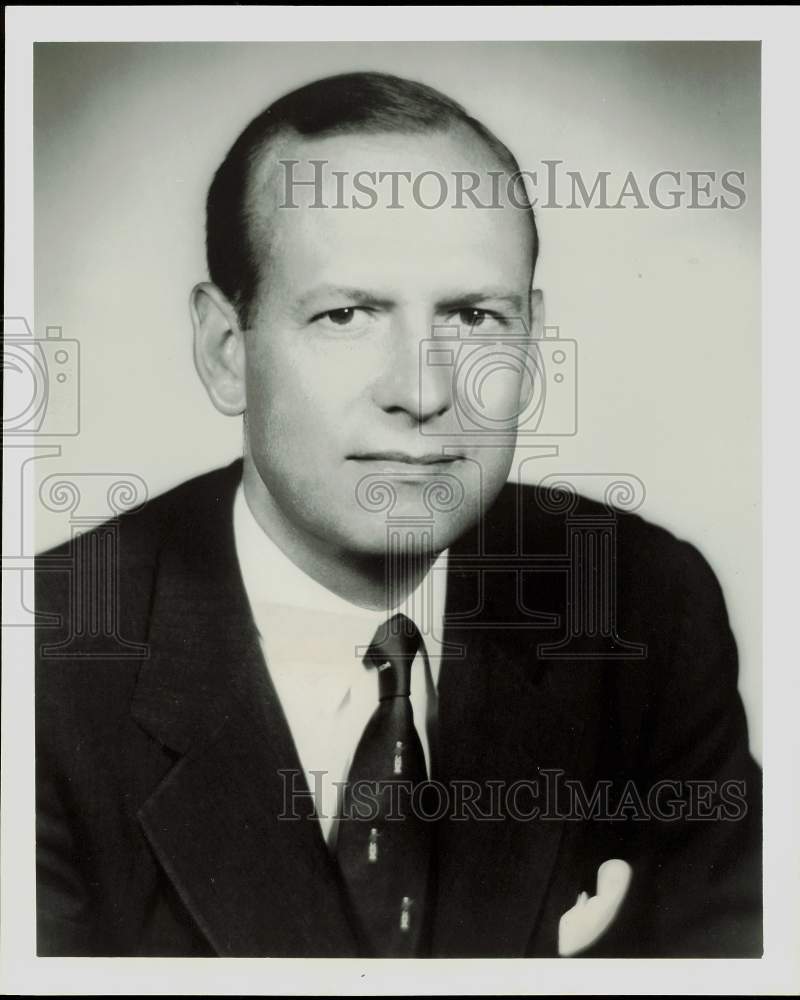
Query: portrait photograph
point(384, 549)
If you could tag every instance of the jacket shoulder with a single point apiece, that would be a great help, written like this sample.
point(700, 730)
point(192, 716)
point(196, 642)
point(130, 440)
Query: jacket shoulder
point(529, 518)
point(141, 530)
point(109, 571)
point(658, 581)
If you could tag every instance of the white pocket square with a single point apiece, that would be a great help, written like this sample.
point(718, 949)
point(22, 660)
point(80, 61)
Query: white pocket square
point(591, 916)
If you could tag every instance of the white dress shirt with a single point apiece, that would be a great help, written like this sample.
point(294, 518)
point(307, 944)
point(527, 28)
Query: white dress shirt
point(313, 643)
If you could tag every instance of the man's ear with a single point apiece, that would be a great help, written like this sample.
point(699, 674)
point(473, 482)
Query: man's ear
point(537, 313)
point(531, 386)
point(218, 348)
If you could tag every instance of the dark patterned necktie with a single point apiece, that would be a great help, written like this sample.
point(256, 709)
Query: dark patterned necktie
point(383, 848)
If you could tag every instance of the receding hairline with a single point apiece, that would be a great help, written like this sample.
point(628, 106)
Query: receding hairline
point(288, 137)
point(287, 143)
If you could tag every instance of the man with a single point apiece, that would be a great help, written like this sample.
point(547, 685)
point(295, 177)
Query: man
point(363, 606)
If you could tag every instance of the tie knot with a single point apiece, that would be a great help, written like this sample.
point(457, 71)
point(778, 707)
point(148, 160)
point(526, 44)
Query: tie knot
point(392, 651)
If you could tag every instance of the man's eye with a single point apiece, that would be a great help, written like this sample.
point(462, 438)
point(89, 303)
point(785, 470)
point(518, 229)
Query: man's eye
point(476, 317)
point(341, 317)
point(348, 319)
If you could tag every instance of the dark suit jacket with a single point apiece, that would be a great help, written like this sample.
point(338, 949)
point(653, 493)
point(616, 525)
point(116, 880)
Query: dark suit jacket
point(160, 739)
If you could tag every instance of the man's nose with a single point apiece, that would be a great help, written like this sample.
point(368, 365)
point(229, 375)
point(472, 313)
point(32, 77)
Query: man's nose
point(410, 383)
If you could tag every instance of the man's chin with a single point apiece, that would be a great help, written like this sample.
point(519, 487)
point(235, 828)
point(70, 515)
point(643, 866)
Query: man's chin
point(403, 534)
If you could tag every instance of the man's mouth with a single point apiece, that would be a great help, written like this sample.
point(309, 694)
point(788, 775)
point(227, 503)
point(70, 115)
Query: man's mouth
point(429, 460)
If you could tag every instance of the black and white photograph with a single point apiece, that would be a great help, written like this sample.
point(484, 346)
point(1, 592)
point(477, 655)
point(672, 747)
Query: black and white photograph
point(385, 505)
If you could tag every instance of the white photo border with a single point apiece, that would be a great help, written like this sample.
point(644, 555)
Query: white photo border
point(779, 970)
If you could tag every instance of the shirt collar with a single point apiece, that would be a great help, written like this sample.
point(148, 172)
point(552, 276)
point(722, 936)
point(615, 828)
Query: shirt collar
point(301, 621)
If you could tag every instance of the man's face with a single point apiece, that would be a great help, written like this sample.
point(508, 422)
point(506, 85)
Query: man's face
point(348, 422)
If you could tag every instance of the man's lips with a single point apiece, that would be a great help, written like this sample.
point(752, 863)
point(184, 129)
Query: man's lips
point(404, 458)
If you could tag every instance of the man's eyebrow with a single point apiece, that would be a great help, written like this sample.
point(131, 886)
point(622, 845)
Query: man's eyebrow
point(514, 302)
point(357, 296)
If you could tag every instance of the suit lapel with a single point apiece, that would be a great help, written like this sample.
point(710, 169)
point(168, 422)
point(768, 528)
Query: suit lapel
point(503, 719)
point(256, 883)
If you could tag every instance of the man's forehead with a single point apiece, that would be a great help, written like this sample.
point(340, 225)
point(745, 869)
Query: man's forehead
point(433, 170)
point(365, 207)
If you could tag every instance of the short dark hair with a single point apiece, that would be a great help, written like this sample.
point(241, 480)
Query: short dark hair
point(364, 102)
